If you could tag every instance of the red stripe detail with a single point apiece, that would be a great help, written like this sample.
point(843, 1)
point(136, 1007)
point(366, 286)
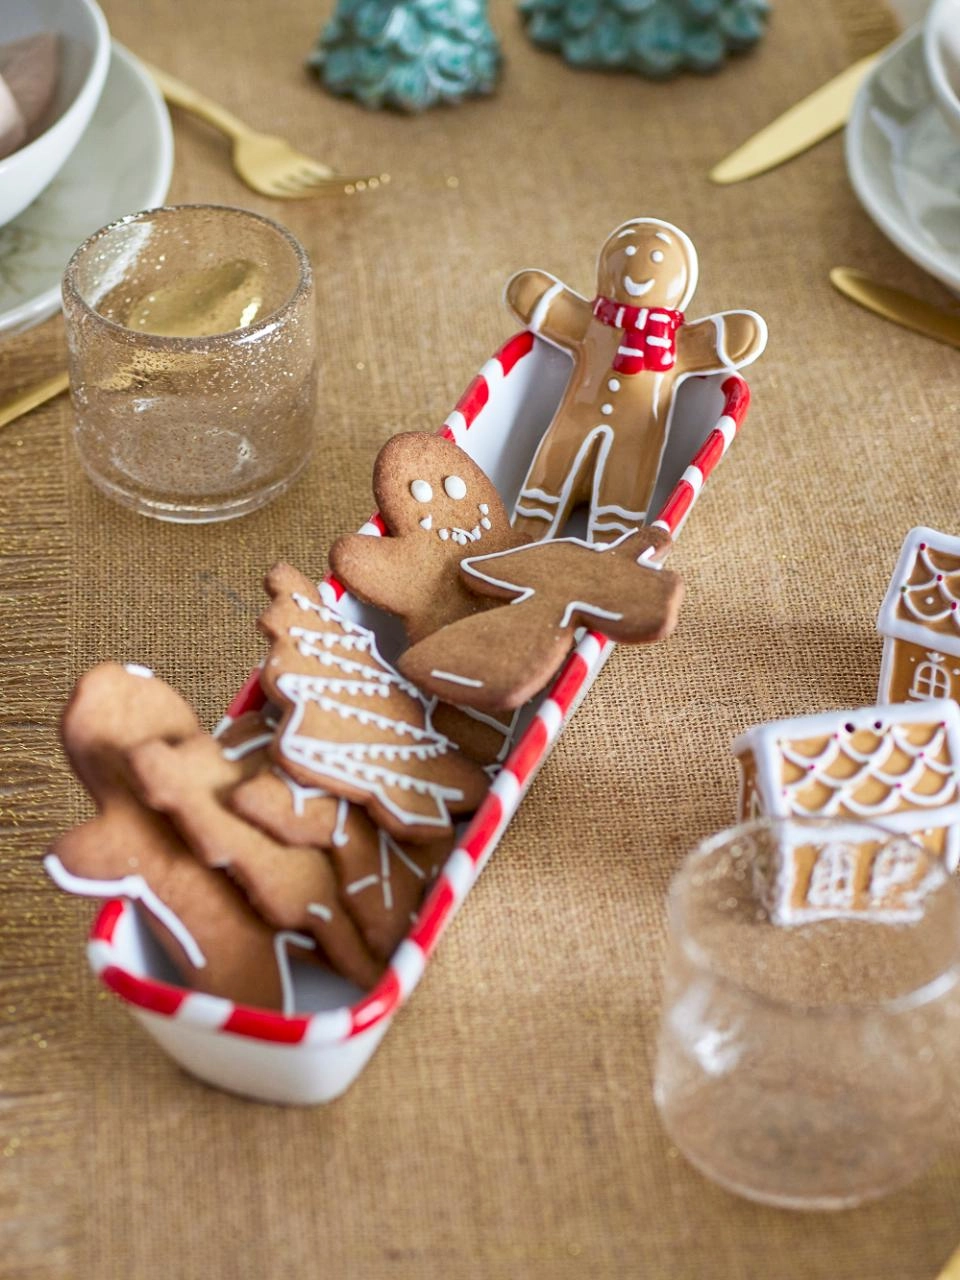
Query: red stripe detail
point(249, 697)
point(514, 349)
point(447, 433)
point(709, 453)
point(377, 521)
point(483, 827)
point(108, 917)
point(146, 993)
point(738, 398)
point(261, 1024)
point(434, 916)
point(474, 398)
point(569, 683)
point(339, 590)
point(528, 752)
point(677, 505)
point(381, 1001)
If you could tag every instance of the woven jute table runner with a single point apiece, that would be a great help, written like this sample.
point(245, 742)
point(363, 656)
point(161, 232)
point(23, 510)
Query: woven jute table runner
point(506, 1126)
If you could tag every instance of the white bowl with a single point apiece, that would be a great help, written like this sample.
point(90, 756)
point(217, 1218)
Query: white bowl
point(941, 47)
point(84, 58)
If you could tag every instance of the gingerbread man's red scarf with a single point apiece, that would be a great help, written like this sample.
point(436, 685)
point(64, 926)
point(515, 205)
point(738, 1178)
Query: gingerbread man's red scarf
point(650, 335)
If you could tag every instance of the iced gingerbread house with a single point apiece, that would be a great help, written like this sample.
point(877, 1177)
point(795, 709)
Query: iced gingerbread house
point(897, 767)
point(920, 621)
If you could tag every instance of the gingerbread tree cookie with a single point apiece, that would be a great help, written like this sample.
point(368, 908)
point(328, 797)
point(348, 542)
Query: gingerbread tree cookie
point(292, 886)
point(501, 658)
point(200, 918)
point(632, 347)
point(353, 725)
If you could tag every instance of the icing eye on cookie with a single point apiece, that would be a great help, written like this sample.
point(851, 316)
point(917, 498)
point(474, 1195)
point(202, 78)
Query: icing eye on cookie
point(421, 490)
point(657, 255)
point(454, 487)
point(630, 250)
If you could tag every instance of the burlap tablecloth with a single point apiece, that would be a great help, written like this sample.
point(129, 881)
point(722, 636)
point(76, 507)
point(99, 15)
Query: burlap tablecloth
point(505, 1127)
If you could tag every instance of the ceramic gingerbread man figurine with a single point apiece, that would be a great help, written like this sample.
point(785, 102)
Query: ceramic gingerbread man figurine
point(632, 347)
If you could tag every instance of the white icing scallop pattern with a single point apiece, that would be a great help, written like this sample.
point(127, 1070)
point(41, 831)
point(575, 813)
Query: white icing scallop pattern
point(870, 766)
point(936, 583)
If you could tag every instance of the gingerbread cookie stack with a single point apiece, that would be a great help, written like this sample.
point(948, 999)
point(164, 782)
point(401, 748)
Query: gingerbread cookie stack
point(311, 829)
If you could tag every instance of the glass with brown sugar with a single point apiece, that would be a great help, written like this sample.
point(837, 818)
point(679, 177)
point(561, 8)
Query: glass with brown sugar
point(808, 1048)
point(192, 352)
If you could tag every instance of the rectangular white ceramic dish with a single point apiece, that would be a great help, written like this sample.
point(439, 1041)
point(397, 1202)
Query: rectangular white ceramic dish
point(313, 1054)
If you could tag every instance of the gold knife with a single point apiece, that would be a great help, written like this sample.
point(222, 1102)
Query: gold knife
point(32, 397)
point(810, 121)
point(896, 305)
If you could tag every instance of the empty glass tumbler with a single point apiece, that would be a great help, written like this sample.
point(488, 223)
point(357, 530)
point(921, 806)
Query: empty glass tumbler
point(192, 352)
point(810, 1040)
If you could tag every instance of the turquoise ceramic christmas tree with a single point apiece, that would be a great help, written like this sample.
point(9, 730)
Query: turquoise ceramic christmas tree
point(410, 55)
point(654, 37)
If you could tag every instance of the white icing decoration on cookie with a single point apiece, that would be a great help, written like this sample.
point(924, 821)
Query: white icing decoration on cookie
point(361, 764)
point(455, 679)
point(421, 490)
point(281, 940)
point(426, 522)
point(136, 888)
point(243, 749)
point(388, 848)
point(455, 487)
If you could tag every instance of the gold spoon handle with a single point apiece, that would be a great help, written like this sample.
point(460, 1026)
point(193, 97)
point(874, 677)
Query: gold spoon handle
point(181, 95)
point(33, 397)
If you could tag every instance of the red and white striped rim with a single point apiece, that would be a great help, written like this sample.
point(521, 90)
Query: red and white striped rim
point(489, 822)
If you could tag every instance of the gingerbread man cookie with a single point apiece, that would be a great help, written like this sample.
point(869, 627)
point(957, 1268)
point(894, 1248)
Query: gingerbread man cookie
point(438, 507)
point(632, 347)
point(351, 724)
point(201, 919)
point(501, 658)
point(293, 887)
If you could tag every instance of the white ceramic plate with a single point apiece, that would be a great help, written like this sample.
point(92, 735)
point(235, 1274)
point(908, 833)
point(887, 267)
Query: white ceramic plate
point(122, 164)
point(904, 161)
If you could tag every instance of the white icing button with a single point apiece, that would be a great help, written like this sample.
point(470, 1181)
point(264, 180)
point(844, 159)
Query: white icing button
point(421, 490)
point(614, 384)
point(657, 255)
point(454, 487)
point(630, 250)
point(606, 408)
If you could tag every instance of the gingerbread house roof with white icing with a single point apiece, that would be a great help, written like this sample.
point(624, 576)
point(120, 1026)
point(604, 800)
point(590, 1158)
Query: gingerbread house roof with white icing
point(897, 765)
point(922, 605)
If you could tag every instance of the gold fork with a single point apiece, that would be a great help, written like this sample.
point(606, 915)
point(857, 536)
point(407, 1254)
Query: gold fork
point(265, 163)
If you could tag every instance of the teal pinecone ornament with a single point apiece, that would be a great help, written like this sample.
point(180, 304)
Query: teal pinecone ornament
point(654, 37)
point(411, 55)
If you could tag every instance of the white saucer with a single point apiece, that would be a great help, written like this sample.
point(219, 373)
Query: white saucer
point(122, 164)
point(904, 160)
